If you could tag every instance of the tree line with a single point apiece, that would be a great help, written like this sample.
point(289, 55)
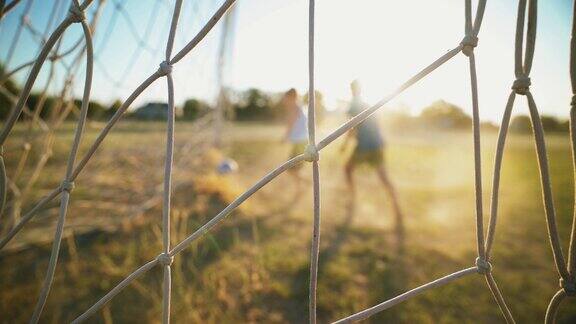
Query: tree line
point(257, 105)
point(248, 105)
point(442, 115)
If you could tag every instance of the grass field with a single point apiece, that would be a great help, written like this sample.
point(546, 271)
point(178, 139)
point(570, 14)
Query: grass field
point(254, 267)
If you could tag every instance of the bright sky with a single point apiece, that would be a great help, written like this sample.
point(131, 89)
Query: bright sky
point(381, 43)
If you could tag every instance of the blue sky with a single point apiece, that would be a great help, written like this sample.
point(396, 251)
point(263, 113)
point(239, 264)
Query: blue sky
point(381, 43)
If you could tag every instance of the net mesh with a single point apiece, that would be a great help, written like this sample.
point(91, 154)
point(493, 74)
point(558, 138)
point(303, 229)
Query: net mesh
point(52, 52)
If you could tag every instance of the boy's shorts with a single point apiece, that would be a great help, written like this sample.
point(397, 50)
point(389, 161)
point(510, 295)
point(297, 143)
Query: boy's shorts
point(373, 158)
point(297, 149)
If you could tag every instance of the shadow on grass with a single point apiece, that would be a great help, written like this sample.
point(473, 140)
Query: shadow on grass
point(353, 252)
point(92, 263)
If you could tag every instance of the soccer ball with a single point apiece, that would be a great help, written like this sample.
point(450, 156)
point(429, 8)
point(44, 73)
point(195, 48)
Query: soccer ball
point(227, 166)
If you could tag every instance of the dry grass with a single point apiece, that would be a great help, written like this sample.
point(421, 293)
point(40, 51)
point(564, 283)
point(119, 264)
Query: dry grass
point(254, 267)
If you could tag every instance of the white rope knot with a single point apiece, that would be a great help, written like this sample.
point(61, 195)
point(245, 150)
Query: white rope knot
point(164, 259)
point(76, 14)
point(67, 186)
point(311, 153)
point(483, 266)
point(569, 286)
point(521, 85)
point(468, 43)
point(165, 68)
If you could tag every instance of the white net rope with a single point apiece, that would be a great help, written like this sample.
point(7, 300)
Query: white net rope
point(527, 12)
point(45, 117)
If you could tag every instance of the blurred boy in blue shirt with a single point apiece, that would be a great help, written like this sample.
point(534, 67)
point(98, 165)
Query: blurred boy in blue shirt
point(369, 148)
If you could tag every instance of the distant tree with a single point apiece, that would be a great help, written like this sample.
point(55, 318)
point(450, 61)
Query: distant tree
point(551, 124)
point(112, 109)
point(565, 125)
point(319, 104)
point(44, 103)
point(254, 104)
point(95, 109)
point(5, 102)
point(444, 115)
point(151, 111)
point(193, 109)
point(520, 124)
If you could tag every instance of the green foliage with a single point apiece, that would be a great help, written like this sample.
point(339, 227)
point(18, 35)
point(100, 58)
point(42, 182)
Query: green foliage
point(5, 102)
point(257, 105)
point(522, 124)
point(254, 104)
point(113, 108)
point(95, 109)
point(442, 115)
point(45, 105)
point(553, 124)
point(319, 104)
point(194, 108)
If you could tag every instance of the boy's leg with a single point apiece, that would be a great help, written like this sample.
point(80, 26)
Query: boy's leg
point(349, 172)
point(383, 175)
point(295, 171)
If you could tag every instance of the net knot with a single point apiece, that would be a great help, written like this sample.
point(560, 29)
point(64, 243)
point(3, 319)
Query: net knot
point(164, 259)
point(468, 43)
point(67, 186)
point(76, 14)
point(521, 85)
point(569, 286)
point(483, 266)
point(311, 153)
point(165, 68)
